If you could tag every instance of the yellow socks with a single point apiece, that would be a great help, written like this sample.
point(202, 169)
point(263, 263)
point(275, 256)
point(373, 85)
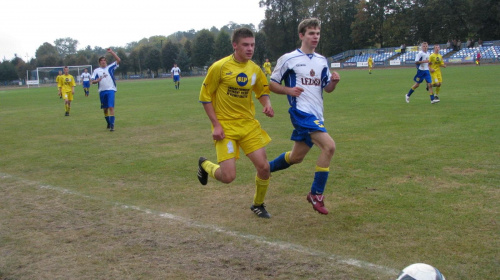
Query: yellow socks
point(260, 191)
point(210, 167)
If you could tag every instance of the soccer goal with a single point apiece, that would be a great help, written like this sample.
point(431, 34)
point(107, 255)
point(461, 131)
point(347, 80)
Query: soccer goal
point(47, 75)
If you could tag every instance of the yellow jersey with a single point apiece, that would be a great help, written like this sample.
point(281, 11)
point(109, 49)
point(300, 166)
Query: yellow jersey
point(229, 85)
point(436, 61)
point(66, 83)
point(370, 61)
point(267, 67)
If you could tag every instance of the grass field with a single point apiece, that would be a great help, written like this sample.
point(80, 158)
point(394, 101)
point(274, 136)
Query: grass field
point(409, 183)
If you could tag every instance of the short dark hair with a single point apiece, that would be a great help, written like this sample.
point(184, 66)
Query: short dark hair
point(101, 58)
point(308, 23)
point(242, 32)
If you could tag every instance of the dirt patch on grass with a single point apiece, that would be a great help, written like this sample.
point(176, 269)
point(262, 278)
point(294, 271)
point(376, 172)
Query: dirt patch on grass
point(51, 234)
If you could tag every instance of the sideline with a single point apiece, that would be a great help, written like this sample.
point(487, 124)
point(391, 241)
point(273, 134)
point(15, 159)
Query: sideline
point(190, 223)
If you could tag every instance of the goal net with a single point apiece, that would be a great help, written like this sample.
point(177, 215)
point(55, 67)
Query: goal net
point(47, 75)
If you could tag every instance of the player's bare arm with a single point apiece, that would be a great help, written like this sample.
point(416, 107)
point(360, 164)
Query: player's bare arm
point(280, 89)
point(334, 80)
point(114, 55)
point(266, 104)
point(218, 133)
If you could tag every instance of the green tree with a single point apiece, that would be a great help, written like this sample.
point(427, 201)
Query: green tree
point(183, 61)
point(362, 27)
point(134, 61)
point(188, 47)
point(152, 61)
point(222, 45)
point(280, 24)
point(260, 53)
point(336, 18)
point(203, 48)
point(170, 53)
point(7, 72)
point(20, 66)
point(144, 50)
point(125, 65)
point(66, 46)
point(485, 19)
point(47, 55)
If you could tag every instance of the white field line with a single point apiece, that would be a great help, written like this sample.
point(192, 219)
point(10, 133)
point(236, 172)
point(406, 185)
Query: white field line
point(190, 223)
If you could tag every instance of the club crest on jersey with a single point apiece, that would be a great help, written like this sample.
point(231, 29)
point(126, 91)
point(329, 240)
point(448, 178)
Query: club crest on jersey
point(313, 81)
point(242, 79)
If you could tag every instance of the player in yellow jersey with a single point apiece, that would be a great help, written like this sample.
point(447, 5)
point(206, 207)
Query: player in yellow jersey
point(267, 68)
point(226, 95)
point(435, 64)
point(57, 83)
point(370, 64)
point(66, 87)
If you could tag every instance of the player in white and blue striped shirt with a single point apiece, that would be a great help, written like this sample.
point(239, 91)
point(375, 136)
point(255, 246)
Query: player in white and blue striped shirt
point(306, 75)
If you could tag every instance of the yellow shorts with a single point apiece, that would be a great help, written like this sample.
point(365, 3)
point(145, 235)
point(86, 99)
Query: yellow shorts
point(436, 77)
point(67, 95)
point(246, 134)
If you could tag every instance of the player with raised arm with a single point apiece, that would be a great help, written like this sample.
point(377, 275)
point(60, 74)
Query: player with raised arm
point(423, 74)
point(104, 76)
point(306, 75)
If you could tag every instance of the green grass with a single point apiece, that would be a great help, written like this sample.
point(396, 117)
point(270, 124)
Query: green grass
point(409, 182)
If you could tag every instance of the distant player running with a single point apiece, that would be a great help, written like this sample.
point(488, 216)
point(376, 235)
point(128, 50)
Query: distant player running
point(423, 74)
point(85, 76)
point(435, 64)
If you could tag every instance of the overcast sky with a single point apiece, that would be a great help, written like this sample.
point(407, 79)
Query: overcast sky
point(26, 25)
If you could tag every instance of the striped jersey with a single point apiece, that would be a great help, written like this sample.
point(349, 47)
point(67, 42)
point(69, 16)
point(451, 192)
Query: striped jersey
point(108, 73)
point(307, 71)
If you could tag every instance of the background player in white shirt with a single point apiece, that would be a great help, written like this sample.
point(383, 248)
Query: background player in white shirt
point(306, 74)
point(176, 75)
point(85, 76)
point(423, 74)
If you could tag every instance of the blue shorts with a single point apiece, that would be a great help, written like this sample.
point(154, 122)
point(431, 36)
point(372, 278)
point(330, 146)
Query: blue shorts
point(177, 78)
point(423, 75)
point(86, 84)
point(304, 125)
point(107, 99)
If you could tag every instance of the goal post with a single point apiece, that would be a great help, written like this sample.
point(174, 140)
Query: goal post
point(47, 75)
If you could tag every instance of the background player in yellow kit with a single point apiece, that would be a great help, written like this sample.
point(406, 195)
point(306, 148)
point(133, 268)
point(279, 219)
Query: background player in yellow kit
point(435, 64)
point(370, 64)
point(226, 95)
point(57, 83)
point(66, 87)
point(267, 68)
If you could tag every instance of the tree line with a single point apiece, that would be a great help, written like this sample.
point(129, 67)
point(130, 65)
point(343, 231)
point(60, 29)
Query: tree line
point(346, 25)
